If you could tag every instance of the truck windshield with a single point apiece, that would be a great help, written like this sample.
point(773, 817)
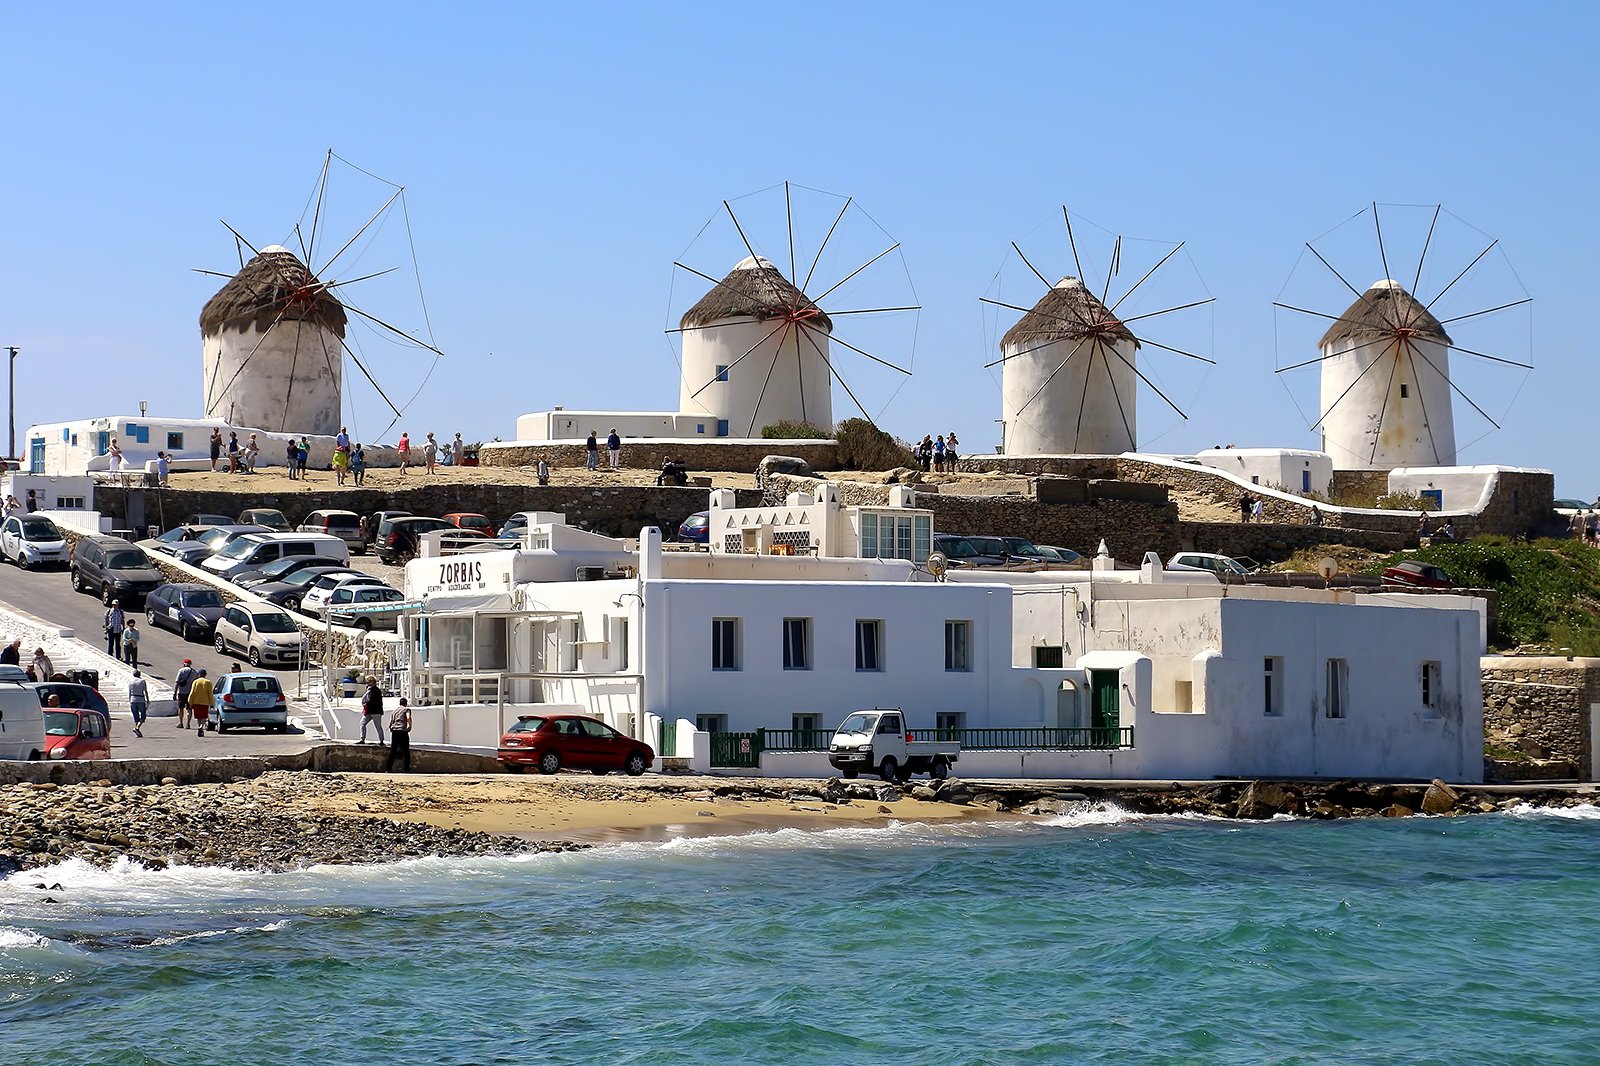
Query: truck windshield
point(859, 723)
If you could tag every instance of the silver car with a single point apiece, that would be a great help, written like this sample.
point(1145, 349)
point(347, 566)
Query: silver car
point(266, 635)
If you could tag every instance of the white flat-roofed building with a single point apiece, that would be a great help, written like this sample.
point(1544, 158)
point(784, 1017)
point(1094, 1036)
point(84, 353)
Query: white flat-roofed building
point(1131, 674)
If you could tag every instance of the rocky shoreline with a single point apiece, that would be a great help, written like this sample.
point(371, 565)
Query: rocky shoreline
point(259, 824)
point(238, 826)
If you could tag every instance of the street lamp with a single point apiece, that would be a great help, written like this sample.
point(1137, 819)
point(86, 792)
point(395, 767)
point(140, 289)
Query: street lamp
point(11, 447)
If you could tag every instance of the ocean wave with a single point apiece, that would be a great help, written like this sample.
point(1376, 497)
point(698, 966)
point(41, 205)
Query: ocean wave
point(1584, 813)
point(12, 938)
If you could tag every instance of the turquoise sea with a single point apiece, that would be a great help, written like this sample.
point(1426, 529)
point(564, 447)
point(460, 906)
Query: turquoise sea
point(1093, 937)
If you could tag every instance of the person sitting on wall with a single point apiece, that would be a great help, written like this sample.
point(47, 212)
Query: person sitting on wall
point(1447, 532)
point(673, 473)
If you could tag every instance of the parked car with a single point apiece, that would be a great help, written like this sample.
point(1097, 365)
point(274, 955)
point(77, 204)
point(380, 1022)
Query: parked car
point(346, 525)
point(1418, 575)
point(267, 517)
point(516, 525)
point(72, 695)
point(320, 591)
point(400, 539)
point(208, 541)
point(1216, 564)
point(879, 739)
point(353, 594)
point(471, 522)
point(277, 570)
point(76, 733)
point(287, 593)
point(376, 520)
point(258, 549)
point(1022, 550)
point(23, 735)
point(33, 540)
point(552, 742)
point(696, 529)
point(207, 520)
point(248, 699)
point(172, 539)
point(189, 610)
point(113, 569)
point(263, 634)
point(1059, 554)
point(964, 551)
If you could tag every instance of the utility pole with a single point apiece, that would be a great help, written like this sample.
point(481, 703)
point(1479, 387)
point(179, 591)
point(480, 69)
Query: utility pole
point(11, 447)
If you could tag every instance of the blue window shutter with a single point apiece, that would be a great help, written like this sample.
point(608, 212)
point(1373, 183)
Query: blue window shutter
point(722, 427)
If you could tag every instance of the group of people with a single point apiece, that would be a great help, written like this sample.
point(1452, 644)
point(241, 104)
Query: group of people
point(1250, 510)
point(40, 668)
point(14, 506)
point(591, 451)
point(241, 458)
point(1426, 532)
point(937, 453)
point(122, 634)
point(433, 453)
point(399, 725)
point(1586, 527)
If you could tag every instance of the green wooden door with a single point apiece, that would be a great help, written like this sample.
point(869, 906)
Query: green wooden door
point(1106, 706)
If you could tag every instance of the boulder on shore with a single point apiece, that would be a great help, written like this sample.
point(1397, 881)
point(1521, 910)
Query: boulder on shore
point(1263, 799)
point(1439, 798)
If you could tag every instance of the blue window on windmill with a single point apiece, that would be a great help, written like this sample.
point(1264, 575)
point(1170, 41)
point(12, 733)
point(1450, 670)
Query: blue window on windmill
point(722, 373)
point(722, 427)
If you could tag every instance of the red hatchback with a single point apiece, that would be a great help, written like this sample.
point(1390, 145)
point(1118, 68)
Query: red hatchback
point(571, 741)
point(76, 733)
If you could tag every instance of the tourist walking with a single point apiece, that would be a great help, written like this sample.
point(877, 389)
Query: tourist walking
point(216, 448)
point(130, 643)
point(399, 738)
point(1246, 505)
point(163, 469)
point(430, 451)
point(292, 458)
point(200, 696)
point(182, 683)
point(11, 654)
point(32, 502)
point(458, 450)
point(12, 506)
point(1256, 511)
point(342, 440)
point(116, 459)
point(341, 463)
point(233, 453)
point(614, 449)
point(938, 454)
point(951, 453)
point(114, 622)
point(404, 450)
point(138, 701)
point(303, 456)
point(43, 668)
point(1423, 526)
point(541, 470)
point(592, 451)
point(372, 709)
point(358, 465)
point(1316, 516)
point(252, 452)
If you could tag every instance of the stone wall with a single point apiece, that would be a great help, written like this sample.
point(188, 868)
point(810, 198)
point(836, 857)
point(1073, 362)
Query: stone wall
point(1358, 484)
point(1269, 542)
point(620, 510)
point(324, 758)
point(742, 456)
point(1542, 707)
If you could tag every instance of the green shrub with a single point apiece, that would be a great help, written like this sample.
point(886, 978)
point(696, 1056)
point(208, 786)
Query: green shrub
point(790, 429)
point(1403, 501)
point(863, 446)
point(1549, 591)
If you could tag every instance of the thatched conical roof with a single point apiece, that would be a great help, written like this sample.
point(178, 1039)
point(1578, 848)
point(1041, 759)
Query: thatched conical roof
point(1379, 311)
point(265, 287)
point(1066, 312)
point(754, 288)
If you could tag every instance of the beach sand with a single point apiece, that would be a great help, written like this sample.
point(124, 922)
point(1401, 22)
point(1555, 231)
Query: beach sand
point(600, 809)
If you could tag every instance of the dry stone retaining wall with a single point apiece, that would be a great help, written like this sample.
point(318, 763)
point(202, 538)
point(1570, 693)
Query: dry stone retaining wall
point(739, 457)
point(1542, 707)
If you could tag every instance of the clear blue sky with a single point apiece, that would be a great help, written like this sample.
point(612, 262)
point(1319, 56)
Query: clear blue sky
point(558, 159)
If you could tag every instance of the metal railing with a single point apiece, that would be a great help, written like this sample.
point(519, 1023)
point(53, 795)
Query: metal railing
point(1090, 738)
point(796, 739)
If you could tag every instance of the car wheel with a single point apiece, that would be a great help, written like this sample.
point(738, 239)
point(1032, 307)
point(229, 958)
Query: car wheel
point(549, 762)
point(292, 602)
point(77, 582)
point(255, 656)
point(364, 624)
point(889, 768)
point(21, 560)
point(221, 728)
point(150, 617)
point(635, 765)
point(941, 769)
point(849, 775)
point(220, 644)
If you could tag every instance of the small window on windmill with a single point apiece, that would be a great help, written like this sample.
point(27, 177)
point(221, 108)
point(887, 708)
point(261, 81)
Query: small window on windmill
point(1405, 390)
point(722, 373)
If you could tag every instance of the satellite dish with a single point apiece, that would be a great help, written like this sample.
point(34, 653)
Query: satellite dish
point(1327, 566)
point(937, 564)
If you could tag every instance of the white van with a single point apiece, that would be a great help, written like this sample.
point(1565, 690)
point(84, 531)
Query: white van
point(21, 722)
point(258, 549)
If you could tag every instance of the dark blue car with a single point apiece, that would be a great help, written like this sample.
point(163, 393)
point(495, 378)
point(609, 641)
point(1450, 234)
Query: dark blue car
point(696, 529)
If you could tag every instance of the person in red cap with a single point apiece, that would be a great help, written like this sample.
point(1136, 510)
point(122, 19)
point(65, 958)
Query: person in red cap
point(182, 684)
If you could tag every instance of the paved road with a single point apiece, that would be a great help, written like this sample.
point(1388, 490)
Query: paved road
point(48, 594)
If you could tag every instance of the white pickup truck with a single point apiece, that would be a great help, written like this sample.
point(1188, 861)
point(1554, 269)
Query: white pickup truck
point(877, 739)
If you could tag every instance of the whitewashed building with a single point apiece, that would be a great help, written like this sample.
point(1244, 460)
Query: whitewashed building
point(1294, 470)
point(1132, 674)
point(83, 446)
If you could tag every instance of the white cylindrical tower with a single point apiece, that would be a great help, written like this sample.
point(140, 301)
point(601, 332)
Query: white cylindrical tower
point(755, 352)
point(1067, 385)
point(272, 353)
point(1386, 384)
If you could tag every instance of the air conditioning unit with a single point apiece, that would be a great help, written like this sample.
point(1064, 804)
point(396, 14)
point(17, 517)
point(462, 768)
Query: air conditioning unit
point(591, 573)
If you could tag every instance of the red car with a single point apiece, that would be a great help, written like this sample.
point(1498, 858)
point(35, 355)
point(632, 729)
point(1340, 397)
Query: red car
point(469, 522)
point(1417, 575)
point(76, 733)
point(571, 741)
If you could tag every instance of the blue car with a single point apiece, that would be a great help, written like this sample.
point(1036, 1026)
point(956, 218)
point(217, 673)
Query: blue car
point(249, 699)
point(696, 529)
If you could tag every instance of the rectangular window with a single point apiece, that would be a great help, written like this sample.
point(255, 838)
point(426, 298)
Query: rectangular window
point(724, 644)
point(869, 645)
point(174, 442)
point(1405, 390)
point(869, 535)
point(896, 536)
point(711, 723)
point(722, 427)
point(1047, 657)
point(722, 373)
point(1338, 695)
point(1183, 696)
point(70, 503)
point(797, 644)
point(805, 723)
point(1272, 686)
point(1432, 676)
point(699, 427)
point(958, 646)
point(619, 642)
